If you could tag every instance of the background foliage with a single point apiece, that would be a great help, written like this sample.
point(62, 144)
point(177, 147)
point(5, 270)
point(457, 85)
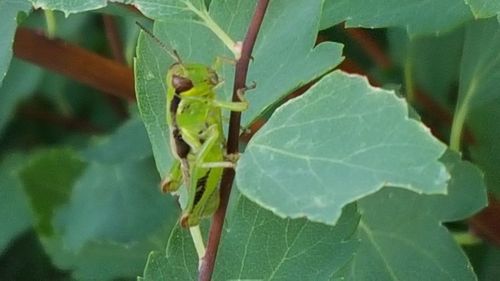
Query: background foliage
point(345, 181)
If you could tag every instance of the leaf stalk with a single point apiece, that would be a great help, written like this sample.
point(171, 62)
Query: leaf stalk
point(208, 263)
point(459, 117)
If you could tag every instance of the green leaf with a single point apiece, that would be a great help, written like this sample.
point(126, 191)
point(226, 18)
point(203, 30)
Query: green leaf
point(105, 260)
point(109, 202)
point(15, 214)
point(12, 92)
point(125, 144)
point(48, 180)
point(69, 7)
point(434, 61)
point(151, 99)
point(486, 150)
point(179, 263)
point(117, 192)
point(401, 236)
point(485, 259)
point(8, 12)
point(166, 9)
point(415, 16)
point(257, 245)
point(340, 141)
point(105, 219)
point(291, 60)
point(480, 63)
point(116, 214)
point(479, 98)
point(277, 68)
point(155, 9)
point(484, 8)
point(466, 191)
point(272, 248)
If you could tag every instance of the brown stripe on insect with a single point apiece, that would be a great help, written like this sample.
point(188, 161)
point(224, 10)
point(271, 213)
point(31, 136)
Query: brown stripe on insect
point(200, 187)
point(180, 85)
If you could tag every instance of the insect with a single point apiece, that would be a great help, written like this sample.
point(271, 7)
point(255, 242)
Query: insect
point(194, 118)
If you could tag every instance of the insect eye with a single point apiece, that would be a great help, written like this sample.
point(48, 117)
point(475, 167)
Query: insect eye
point(181, 84)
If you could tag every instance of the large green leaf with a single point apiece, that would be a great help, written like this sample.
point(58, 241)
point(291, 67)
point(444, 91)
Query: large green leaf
point(401, 235)
point(110, 215)
point(466, 193)
point(178, 263)
point(115, 209)
point(479, 98)
point(48, 179)
point(277, 68)
point(484, 8)
point(485, 259)
point(480, 67)
point(257, 245)
point(105, 260)
point(12, 91)
point(416, 16)
point(485, 151)
point(156, 9)
point(15, 213)
point(96, 260)
point(340, 141)
point(434, 61)
point(291, 60)
point(8, 12)
point(109, 202)
point(69, 7)
point(125, 144)
point(164, 9)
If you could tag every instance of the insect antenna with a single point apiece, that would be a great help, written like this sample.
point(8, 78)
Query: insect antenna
point(170, 51)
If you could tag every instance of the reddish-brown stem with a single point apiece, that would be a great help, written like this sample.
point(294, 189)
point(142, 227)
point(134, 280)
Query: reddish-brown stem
point(114, 40)
point(79, 64)
point(370, 47)
point(35, 112)
point(486, 223)
point(208, 263)
point(116, 47)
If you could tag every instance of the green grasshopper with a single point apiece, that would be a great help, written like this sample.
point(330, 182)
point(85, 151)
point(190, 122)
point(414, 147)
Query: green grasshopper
point(197, 142)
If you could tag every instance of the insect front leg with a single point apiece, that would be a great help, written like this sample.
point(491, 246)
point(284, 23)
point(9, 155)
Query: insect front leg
point(220, 60)
point(174, 179)
point(238, 106)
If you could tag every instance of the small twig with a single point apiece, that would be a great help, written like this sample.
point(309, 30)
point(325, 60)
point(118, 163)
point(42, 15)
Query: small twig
point(38, 113)
point(370, 47)
point(113, 37)
point(486, 224)
point(215, 233)
point(115, 44)
point(70, 60)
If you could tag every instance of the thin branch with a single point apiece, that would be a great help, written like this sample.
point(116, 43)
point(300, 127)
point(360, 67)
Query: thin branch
point(113, 37)
point(39, 113)
point(486, 224)
point(370, 46)
point(77, 63)
point(208, 264)
point(115, 44)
